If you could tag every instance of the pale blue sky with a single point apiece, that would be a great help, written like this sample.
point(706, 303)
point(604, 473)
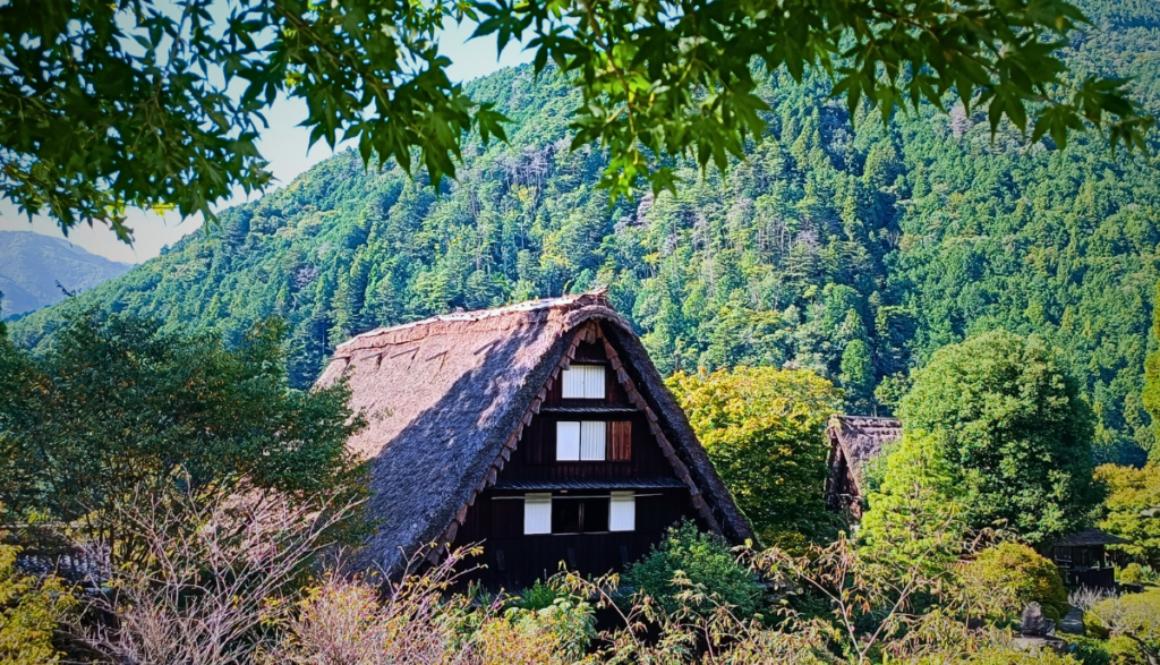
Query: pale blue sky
point(284, 145)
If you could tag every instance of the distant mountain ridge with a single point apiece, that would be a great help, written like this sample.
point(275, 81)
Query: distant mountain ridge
point(32, 264)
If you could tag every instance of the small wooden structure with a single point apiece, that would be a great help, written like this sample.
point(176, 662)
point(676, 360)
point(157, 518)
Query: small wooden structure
point(854, 442)
point(541, 430)
point(1082, 558)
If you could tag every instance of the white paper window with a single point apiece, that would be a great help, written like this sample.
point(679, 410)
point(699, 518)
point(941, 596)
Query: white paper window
point(592, 440)
point(622, 512)
point(581, 441)
point(583, 382)
point(537, 513)
point(567, 441)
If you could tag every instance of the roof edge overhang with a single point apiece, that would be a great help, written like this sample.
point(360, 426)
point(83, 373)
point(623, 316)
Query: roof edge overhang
point(582, 324)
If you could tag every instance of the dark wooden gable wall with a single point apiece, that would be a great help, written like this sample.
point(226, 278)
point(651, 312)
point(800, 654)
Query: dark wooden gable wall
point(496, 518)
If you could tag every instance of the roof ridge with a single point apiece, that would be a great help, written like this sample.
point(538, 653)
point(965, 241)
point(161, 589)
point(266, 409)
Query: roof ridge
point(596, 297)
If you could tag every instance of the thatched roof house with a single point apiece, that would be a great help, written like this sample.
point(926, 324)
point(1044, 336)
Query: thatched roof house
point(854, 442)
point(473, 415)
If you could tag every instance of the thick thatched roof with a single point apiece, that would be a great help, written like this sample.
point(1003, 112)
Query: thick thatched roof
point(860, 439)
point(447, 399)
point(1087, 538)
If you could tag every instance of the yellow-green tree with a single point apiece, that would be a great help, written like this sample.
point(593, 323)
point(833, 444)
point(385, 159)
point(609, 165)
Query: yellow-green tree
point(1010, 575)
point(764, 431)
point(914, 512)
point(29, 612)
point(1132, 509)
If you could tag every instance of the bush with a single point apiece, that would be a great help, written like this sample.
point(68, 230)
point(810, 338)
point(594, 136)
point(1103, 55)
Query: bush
point(537, 597)
point(695, 570)
point(1010, 575)
point(29, 612)
point(1115, 651)
point(1133, 573)
point(1134, 616)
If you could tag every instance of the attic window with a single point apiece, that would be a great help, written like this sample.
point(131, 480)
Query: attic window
point(584, 441)
point(583, 382)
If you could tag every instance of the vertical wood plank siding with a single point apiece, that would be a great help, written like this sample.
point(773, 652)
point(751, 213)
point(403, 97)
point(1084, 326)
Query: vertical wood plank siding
point(498, 524)
point(514, 559)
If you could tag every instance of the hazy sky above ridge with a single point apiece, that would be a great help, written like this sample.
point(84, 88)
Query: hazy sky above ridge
point(283, 144)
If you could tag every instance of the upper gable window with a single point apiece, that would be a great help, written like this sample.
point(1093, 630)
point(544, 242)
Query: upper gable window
point(580, 441)
point(583, 382)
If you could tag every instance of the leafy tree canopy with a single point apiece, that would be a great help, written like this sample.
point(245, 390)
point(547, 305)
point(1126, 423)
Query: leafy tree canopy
point(908, 237)
point(116, 410)
point(135, 103)
point(915, 509)
point(763, 429)
point(1132, 510)
point(1010, 420)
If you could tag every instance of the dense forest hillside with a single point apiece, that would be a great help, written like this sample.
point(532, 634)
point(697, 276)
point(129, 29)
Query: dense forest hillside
point(853, 251)
point(32, 266)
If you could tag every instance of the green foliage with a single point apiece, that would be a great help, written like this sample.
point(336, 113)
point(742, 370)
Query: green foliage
point(695, 571)
point(857, 374)
point(1010, 421)
point(127, 104)
point(1151, 392)
point(1118, 650)
point(914, 510)
point(763, 428)
point(1019, 573)
point(909, 237)
point(537, 597)
point(1134, 573)
point(1134, 616)
point(1132, 510)
point(646, 91)
point(117, 410)
point(29, 612)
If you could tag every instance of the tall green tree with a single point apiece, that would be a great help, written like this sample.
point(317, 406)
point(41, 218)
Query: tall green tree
point(764, 431)
point(1010, 420)
point(1151, 392)
point(117, 412)
point(144, 103)
point(857, 374)
point(915, 509)
point(1132, 510)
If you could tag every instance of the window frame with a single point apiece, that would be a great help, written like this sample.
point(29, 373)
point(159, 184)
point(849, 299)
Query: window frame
point(585, 373)
point(591, 427)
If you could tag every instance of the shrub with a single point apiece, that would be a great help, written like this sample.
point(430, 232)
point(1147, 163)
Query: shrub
point(417, 623)
point(1118, 650)
point(29, 612)
point(1013, 574)
point(1133, 573)
point(536, 597)
point(695, 570)
point(1134, 616)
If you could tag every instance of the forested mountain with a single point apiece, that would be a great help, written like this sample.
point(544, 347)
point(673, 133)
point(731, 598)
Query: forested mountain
point(31, 266)
point(853, 251)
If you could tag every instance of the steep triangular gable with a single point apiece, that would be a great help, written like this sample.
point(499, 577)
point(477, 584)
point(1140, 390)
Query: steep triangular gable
point(448, 399)
point(588, 332)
